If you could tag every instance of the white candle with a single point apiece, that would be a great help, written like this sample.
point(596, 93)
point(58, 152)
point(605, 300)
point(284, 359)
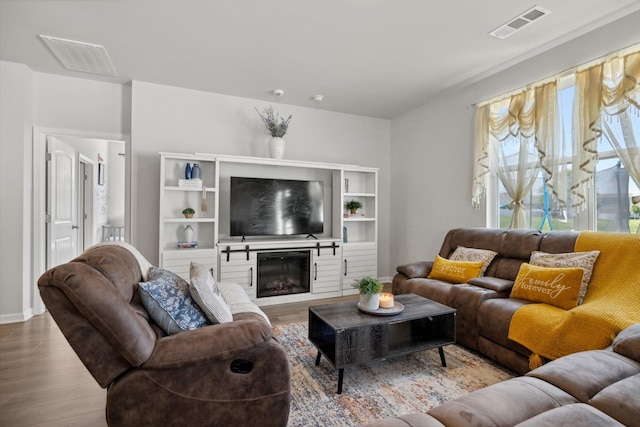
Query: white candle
point(386, 300)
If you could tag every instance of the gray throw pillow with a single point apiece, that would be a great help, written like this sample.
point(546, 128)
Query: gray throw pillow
point(205, 292)
point(472, 254)
point(168, 301)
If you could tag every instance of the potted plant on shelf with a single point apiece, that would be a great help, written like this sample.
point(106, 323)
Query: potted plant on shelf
point(370, 290)
point(353, 206)
point(188, 213)
point(277, 127)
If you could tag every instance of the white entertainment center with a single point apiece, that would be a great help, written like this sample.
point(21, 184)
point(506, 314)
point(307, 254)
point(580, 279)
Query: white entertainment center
point(346, 250)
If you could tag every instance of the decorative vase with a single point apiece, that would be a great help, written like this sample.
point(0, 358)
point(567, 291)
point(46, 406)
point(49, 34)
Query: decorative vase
point(188, 234)
point(370, 302)
point(276, 147)
point(196, 173)
point(187, 172)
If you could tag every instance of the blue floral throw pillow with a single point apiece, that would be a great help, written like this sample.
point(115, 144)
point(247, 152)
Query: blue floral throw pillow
point(167, 299)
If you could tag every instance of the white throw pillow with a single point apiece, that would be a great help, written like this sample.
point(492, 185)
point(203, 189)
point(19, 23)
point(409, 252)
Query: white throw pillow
point(206, 294)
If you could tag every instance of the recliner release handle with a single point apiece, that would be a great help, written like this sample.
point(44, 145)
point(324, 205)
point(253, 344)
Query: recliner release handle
point(240, 366)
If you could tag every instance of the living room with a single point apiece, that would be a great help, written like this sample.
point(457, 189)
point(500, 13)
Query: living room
point(430, 143)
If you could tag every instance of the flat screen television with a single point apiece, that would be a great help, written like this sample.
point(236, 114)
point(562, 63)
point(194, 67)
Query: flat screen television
point(276, 207)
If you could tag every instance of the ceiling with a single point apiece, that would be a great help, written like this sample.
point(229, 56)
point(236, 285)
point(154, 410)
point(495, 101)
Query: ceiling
point(376, 58)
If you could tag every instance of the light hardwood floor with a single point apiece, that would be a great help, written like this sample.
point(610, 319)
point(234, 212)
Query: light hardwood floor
point(44, 383)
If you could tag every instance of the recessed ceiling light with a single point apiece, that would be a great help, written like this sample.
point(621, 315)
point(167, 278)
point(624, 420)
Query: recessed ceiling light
point(317, 98)
point(80, 56)
point(519, 22)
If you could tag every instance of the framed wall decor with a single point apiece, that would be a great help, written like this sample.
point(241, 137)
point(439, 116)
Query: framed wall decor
point(100, 173)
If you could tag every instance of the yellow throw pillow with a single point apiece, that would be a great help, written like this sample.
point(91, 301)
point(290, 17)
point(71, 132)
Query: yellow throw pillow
point(455, 271)
point(554, 286)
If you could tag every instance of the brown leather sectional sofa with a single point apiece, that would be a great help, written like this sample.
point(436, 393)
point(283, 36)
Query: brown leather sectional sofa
point(590, 388)
point(597, 387)
point(230, 374)
point(484, 309)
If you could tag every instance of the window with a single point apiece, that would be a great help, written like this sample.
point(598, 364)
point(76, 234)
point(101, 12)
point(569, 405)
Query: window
point(613, 202)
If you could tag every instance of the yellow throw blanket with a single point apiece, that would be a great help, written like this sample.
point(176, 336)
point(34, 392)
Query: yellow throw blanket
point(612, 303)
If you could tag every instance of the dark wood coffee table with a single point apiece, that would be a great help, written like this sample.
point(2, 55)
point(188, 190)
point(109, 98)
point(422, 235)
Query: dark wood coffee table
point(346, 336)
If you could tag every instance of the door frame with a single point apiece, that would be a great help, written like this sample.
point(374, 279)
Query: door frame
point(39, 218)
point(85, 199)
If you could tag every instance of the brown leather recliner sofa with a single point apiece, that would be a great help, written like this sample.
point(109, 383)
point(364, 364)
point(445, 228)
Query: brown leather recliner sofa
point(230, 374)
point(484, 309)
point(590, 388)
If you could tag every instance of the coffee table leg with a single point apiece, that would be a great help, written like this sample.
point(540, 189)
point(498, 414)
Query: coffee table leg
point(340, 377)
point(441, 351)
point(318, 357)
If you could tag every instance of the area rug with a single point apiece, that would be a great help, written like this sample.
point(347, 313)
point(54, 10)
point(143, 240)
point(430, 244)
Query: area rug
point(379, 389)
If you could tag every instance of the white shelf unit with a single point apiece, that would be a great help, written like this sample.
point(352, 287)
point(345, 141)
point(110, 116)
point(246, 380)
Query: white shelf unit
point(173, 199)
point(360, 240)
point(332, 272)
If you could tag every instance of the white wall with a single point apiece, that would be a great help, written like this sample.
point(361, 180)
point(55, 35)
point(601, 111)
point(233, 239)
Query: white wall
point(432, 146)
point(116, 183)
point(45, 101)
point(16, 119)
point(179, 120)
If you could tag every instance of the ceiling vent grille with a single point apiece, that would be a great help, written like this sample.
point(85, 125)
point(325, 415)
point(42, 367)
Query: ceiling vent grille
point(79, 56)
point(519, 22)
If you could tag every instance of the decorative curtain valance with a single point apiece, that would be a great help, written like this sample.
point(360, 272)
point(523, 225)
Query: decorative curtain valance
point(610, 88)
point(528, 114)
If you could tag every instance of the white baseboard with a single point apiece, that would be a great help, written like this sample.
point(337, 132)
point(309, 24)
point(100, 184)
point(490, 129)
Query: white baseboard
point(385, 279)
point(16, 317)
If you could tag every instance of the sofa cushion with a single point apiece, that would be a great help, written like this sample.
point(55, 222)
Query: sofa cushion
point(455, 271)
point(620, 400)
point(627, 342)
point(587, 373)
point(554, 286)
point(472, 254)
point(502, 404)
point(494, 316)
point(577, 414)
point(584, 260)
point(494, 283)
point(204, 290)
point(167, 299)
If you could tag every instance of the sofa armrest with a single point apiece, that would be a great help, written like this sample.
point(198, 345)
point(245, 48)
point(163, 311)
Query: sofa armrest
point(210, 343)
point(415, 269)
point(627, 342)
point(494, 283)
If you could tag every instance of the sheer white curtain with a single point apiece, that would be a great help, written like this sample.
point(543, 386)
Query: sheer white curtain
point(607, 89)
point(626, 148)
point(529, 120)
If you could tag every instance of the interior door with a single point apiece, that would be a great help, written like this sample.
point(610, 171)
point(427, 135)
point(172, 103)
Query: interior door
point(62, 201)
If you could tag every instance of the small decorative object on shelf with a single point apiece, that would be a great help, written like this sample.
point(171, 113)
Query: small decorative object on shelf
point(187, 171)
point(369, 293)
point(187, 245)
point(190, 183)
point(352, 206)
point(188, 213)
point(196, 173)
point(188, 233)
point(277, 127)
point(344, 234)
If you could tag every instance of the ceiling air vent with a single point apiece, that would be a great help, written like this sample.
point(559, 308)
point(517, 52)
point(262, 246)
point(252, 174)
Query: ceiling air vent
point(519, 22)
point(79, 56)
